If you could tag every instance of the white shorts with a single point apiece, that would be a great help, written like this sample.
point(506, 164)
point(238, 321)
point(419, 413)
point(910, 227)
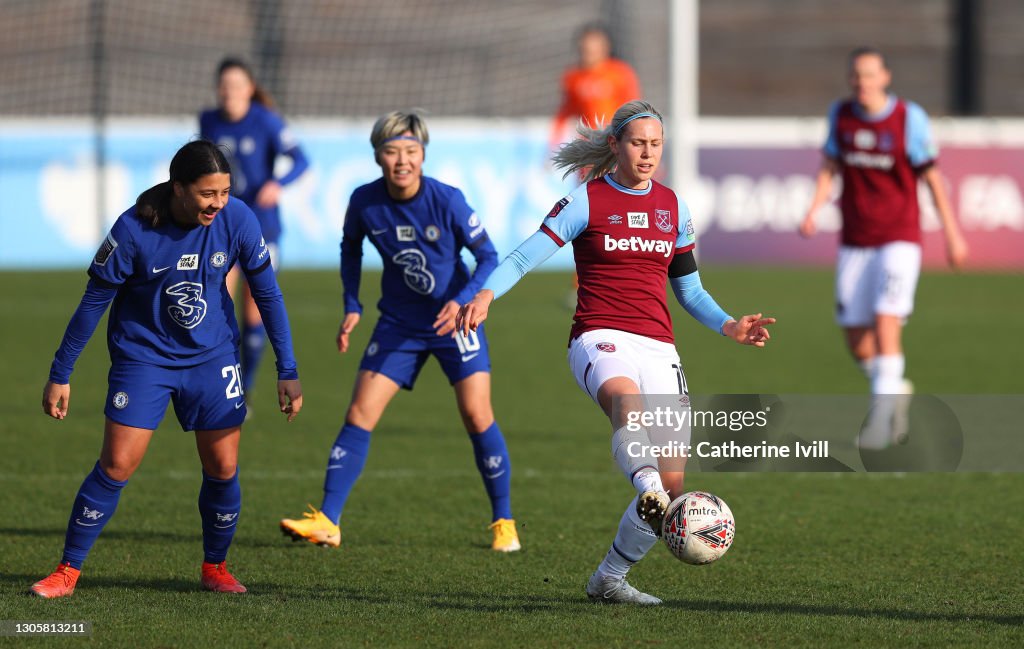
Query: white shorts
point(602, 354)
point(876, 281)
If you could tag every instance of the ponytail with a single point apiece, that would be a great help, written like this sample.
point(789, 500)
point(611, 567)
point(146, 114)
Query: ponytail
point(591, 151)
point(153, 206)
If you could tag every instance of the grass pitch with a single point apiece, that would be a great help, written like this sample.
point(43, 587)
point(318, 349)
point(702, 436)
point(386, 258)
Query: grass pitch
point(819, 560)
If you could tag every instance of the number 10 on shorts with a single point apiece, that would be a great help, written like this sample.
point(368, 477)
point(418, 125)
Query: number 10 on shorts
point(469, 345)
point(231, 373)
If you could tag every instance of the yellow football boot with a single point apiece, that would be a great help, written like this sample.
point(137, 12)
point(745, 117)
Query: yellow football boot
point(314, 527)
point(505, 537)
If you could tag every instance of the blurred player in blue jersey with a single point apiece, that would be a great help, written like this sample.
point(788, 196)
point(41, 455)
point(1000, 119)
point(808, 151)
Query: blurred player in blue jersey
point(419, 226)
point(172, 336)
point(255, 136)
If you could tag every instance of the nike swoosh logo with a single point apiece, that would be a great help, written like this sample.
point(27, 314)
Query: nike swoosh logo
point(239, 405)
point(157, 271)
point(378, 231)
point(224, 527)
point(79, 522)
point(496, 475)
point(335, 466)
point(469, 357)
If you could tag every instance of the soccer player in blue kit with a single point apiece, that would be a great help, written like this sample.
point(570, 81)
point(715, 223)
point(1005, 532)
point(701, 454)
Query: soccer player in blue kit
point(172, 336)
point(419, 226)
point(255, 137)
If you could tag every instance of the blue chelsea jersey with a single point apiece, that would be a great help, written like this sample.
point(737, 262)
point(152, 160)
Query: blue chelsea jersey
point(172, 306)
point(253, 143)
point(420, 242)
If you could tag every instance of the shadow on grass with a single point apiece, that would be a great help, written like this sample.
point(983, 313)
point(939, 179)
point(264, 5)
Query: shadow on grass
point(482, 602)
point(169, 584)
point(782, 608)
point(150, 536)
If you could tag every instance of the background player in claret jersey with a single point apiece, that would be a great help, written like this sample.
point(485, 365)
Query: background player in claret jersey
point(172, 336)
point(419, 226)
point(881, 145)
point(630, 236)
point(256, 137)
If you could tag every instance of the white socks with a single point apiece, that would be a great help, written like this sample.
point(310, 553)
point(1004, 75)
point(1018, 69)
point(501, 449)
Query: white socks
point(867, 367)
point(887, 374)
point(886, 383)
point(633, 540)
point(631, 450)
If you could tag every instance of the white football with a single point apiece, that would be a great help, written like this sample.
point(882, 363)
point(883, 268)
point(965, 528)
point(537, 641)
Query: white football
point(698, 527)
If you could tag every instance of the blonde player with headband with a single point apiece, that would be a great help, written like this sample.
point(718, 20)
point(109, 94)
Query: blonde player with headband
point(630, 235)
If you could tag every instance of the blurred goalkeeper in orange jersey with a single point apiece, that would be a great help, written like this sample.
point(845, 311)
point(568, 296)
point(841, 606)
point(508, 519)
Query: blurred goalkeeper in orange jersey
point(595, 87)
point(591, 93)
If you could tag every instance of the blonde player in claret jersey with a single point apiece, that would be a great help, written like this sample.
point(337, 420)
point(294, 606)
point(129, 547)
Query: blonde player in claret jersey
point(882, 146)
point(630, 236)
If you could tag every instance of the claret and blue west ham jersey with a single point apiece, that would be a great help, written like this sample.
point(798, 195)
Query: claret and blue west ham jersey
point(254, 144)
point(172, 306)
point(880, 157)
point(420, 242)
point(623, 242)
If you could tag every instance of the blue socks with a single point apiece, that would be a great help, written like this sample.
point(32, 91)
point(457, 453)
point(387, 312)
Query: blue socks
point(348, 456)
point(254, 341)
point(94, 506)
point(220, 502)
point(495, 469)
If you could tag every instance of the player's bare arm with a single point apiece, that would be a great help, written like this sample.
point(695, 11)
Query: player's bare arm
point(822, 190)
point(56, 397)
point(445, 322)
point(289, 397)
point(475, 312)
point(749, 330)
point(344, 329)
point(956, 246)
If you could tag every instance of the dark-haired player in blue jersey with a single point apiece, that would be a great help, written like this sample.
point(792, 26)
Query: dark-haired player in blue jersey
point(255, 137)
point(419, 226)
point(172, 336)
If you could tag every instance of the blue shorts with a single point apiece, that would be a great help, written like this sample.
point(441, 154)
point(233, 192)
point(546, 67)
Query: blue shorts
point(399, 354)
point(206, 397)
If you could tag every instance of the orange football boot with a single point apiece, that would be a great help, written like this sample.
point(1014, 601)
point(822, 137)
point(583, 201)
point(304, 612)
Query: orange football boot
point(217, 578)
point(59, 584)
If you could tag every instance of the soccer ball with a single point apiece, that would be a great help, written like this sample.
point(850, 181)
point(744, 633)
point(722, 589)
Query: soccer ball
point(698, 527)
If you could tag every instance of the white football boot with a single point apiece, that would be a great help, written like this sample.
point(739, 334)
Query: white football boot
point(616, 590)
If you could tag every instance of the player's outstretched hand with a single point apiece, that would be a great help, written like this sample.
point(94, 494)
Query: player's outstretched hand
point(445, 323)
point(56, 398)
point(269, 194)
point(474, 312)
point(749, 330)
point(808, 227)
point(956, 251)
point(344, 329)
point(289, 397)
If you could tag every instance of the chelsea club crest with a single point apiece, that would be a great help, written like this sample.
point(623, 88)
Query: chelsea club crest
point(432, 233)
point(218, 259)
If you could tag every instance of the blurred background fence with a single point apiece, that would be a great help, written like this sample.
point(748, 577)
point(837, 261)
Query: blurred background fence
point(95, 95)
